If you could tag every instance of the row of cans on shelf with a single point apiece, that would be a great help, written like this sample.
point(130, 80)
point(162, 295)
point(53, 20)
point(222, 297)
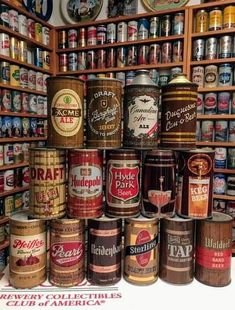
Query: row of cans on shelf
point(17, 101)
point(25, 26)
point(216, 103)
point(216, 131)
point(132, 55)
point(215, 18)
point(22, 127)
point(21, 77)
point(212, 76)
point(143, 28)
point(224, 184)
point(18, 50)
point(14, 178)
point(224, 158)
point(14, 203)
point(213, 48)
point(224, 206)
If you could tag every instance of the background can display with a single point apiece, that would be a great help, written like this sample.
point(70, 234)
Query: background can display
point(65, 107)
point(104, 251)
point(177, 250)
point(27, 264)
point(67, 252)
point(214, 250)
point(141, 251)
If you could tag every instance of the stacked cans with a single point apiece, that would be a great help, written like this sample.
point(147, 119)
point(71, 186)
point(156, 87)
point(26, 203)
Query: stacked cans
point(216, 131)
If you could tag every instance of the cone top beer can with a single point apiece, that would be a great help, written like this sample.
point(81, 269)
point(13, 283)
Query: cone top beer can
point(141, 251)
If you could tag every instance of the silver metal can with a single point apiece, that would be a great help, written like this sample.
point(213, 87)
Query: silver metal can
point(211, 48)
point(198, 49)
point(231, 131)
point(207, 131)
point(154, 27)
point(122, 32)
point(225, 47)
point(111, 33)
point(221, 131)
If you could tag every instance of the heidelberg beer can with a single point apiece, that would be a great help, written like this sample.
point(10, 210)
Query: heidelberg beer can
point(176, 250)
point(179, 107)
point(67, 252)
point(141, 108)
point(214, 250)
point(123, 183)
point(85, 183)
point(104, 251)
point(141, 251)
point(65, 107)
point(104, 113)
point(195, 184)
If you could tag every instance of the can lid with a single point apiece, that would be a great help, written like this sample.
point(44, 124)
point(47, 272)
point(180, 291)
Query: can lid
point(201, 151)
point(104, 218)
point(142, 219)
point(54, 78)
point(218, 217)
point(177, 218)
point(24, 216)
point(142, 78)
point(180, 78)
point(103, 79)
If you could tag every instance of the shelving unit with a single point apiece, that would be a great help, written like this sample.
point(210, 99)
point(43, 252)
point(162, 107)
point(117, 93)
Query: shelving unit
point(14, 191)
point(13, 166)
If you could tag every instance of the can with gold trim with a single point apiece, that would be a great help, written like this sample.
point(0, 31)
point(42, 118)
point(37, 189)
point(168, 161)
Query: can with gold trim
point(229, 17)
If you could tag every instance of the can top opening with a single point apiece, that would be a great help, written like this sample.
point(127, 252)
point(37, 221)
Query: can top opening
point(220, 217)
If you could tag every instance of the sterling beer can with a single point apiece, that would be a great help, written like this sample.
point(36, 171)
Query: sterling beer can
point(195, 184)
point(104, 251)
point(177, 250)
point(85, 195)
point(141, 251)
point(122, 183)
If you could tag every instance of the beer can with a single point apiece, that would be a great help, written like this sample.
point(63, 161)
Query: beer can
point(220, 157)
point(231, 131)
point(17, 153)
point(25, 102)
point(16, 101)
point(46, 36)
point(111, 33)
point(33, 127)
point(25, 150)
point(141, 251)
point(129, 77)
point(63, 62)
point(211, 48)
point(73, 61)
point(177, 250)
point(25, 176)
point(166, 52)
point(215, 19)
point(14, 20)
point(81, 61)
point(225, 47)
point(4, 72)
point(38, 57)
point(25, 127)
point(31, 28)
point(4, 15)
point(46, 60)
point(23, 27)
point(155, 76)
point(30, 55)
point(219, 184)
point(111, 57)
point(32, 104)
point(91, 60)
point(8, 154)
point(101, 33)
point(40, 128)
point(219, 205)
point(1, 181)
point(223, 103)
point(72, 38)
point(143, 54)
point(6, 100)
point(17, 126)
point(104, 251)
point(23, 51)
point(121, 56)
point(8, 180)
point(195, 184)
point(1, 130)
point(164, 77)
point(8, 205)
point(231, 158)
point(230, 185)
point(200, 104)
point(229, 17)
point(91, 35)
point(45, 77)
point(143, 29)
point(198, 49)
point(38, 32)
point(132, 55)
point(154, 54)
point(122, 32)
point(62, 39)
point(225, 75)
point(211, 76)
point(214, 250)
point(221, 130)
point(165, 26)
point(177, 51)
point(210, 103)
point(14, 75)
point(121, 77)
point(207, 131)
point(230, 210)
point(1, 159)
point(18, 177)
point(7, 127)
point(101, 59)
point(5, 44)
point(178, 24)
point(82, 37)
point(132, 30)
point(25, 197)
point(154, 27)
point(18, 202)
point(85, 195)
point(23, 77)
point(31, 79)
point(202, 21)
point(14, 48)
point(40, 105)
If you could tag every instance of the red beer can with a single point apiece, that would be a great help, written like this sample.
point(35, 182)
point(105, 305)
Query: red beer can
point(85, 183)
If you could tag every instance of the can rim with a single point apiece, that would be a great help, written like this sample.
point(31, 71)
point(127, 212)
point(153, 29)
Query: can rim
point(103, 79)
point(65, 77)
point(177, 218)
point(141, 219)
point(218, 217)
point(201, 151)
point(45, 149)
point(104, 218)
point(23, 216)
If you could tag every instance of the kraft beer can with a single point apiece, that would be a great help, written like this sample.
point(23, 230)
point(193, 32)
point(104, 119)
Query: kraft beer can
point(23, 51)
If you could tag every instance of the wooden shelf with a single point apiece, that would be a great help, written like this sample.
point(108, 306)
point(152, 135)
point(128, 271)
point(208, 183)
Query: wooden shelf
point(117, 44)
point(22, 114)
point(213, 33)
point(4, 220)
point(24, 64)
point(23, 139)
point(14, 191)
point(30, 42)
point(13, 166)
point(211, 4)
point(223, 197)
point(4, 245)
point(25, 90)
point(225, 171)
point(215, 89)
point(215, 116)
point(216, 144)
point(215, 61)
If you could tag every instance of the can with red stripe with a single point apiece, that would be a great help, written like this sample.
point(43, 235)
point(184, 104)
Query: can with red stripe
point(91, 35)
point(72, 38)
point(82, 37)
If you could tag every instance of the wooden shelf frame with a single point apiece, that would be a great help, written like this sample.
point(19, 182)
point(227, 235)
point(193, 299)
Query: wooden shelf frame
point(225, 171)
point(224, 197)
point(4, 245)
point(22, 139)
point(23, 90)
point(215, 144)
point(14, 191)
point(22, 114)
point(216, 116)
point(13, 166)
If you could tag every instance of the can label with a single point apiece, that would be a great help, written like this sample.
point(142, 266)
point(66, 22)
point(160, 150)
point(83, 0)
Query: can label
point(67, 254)
point(66, 112)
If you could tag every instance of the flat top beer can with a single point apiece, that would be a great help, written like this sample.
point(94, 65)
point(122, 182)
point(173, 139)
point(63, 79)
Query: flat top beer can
point(67, 252)
point(141, 251)
point(65, 107)
point(214, 250)
point(141, 108)
point(195, 184)
point(176, 263)
point(104, 251)
point(85, 196)
point(123, 183)
point(104, 113)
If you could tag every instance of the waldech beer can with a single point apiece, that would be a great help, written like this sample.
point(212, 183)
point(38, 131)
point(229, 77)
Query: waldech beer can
point(67, 252)
point(123, 183)
point(176, 250)
point(214, 250)
point(104, 251)
point(141, 99)
point(85, 196)
point(141, 251)
point(195, 184)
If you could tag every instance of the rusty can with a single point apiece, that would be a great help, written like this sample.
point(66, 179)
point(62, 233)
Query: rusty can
point(65, 106)
point(177, 250)
point(215, 19)
point(202, 20)
point(158, 184)
point(27, 262)
point(141, 251)
point(85, 195)
point(123, 183)
point(47, 183)
point(195, 184)
point(214, 250)
point(229, 17)
point(67, 252)
point(179, 107)
point(104, 251)
point(104, 113)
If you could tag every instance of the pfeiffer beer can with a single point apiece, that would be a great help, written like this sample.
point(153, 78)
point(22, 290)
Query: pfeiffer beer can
point(141, 251)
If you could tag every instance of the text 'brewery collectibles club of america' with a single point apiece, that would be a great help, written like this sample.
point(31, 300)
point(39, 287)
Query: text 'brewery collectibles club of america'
point(140, 108)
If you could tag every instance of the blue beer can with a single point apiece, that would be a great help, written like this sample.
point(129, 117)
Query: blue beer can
point(219, 184)
point(143, 29)
point(38, 57)
point(33, 127)
point(7, 127)
point(225, 75)
point(220, 157)
point(17, 126)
